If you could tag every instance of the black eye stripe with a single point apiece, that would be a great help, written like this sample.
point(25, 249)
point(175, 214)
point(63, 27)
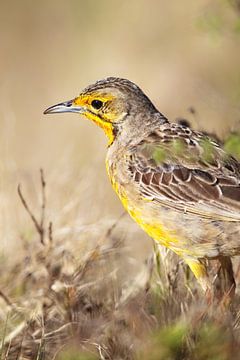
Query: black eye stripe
point(97, 104)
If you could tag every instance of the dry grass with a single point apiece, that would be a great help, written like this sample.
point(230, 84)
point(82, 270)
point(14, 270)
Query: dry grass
point(74, 291)
point(59, 302)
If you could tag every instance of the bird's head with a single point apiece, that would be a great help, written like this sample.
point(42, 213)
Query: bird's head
point(108, 103)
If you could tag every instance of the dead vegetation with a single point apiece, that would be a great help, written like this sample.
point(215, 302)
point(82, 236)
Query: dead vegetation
point(57, 302)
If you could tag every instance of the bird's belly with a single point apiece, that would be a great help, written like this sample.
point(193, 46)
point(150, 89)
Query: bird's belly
point(159, 227)
point(157, 224)
point(185, 235)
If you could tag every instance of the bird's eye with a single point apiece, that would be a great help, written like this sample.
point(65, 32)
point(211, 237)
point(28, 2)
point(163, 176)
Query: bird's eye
point(97, 104)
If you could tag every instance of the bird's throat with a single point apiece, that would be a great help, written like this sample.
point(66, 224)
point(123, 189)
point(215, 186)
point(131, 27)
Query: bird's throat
point(105, 125)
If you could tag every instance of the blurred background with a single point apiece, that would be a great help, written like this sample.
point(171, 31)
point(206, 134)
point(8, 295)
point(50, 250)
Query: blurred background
point(184, 54)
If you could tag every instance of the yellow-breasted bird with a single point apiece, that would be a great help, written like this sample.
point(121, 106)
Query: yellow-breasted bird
point(178, 184)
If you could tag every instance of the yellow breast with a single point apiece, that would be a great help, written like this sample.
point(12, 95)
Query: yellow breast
point(151, 226)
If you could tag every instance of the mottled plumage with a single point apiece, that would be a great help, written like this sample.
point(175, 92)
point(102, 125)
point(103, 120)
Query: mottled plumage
point(179, 185)
point(173, 166)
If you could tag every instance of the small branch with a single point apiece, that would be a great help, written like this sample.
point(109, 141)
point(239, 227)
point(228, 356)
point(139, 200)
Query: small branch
point(50, 230)
point(39, 225)
point(34, 220)
point(43, 186)
point(8, 302)
point(113, 226)
point(6, 298)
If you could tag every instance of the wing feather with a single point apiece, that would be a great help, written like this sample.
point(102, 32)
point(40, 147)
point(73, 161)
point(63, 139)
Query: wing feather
point(173, 168)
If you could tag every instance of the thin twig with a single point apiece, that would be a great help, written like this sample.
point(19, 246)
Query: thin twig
point(8, 302)
point(3, 337)
point(7, 351)
point(5, 298)
point(43, 186)
point(34, 220)
point(38, 225)
point(113, 226)
point(50, 231)
point(21, 345)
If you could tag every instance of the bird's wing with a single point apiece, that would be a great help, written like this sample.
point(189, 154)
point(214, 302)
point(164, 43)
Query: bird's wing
point(185, 170)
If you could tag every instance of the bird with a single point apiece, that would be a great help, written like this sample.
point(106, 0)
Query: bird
point(178, 184)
